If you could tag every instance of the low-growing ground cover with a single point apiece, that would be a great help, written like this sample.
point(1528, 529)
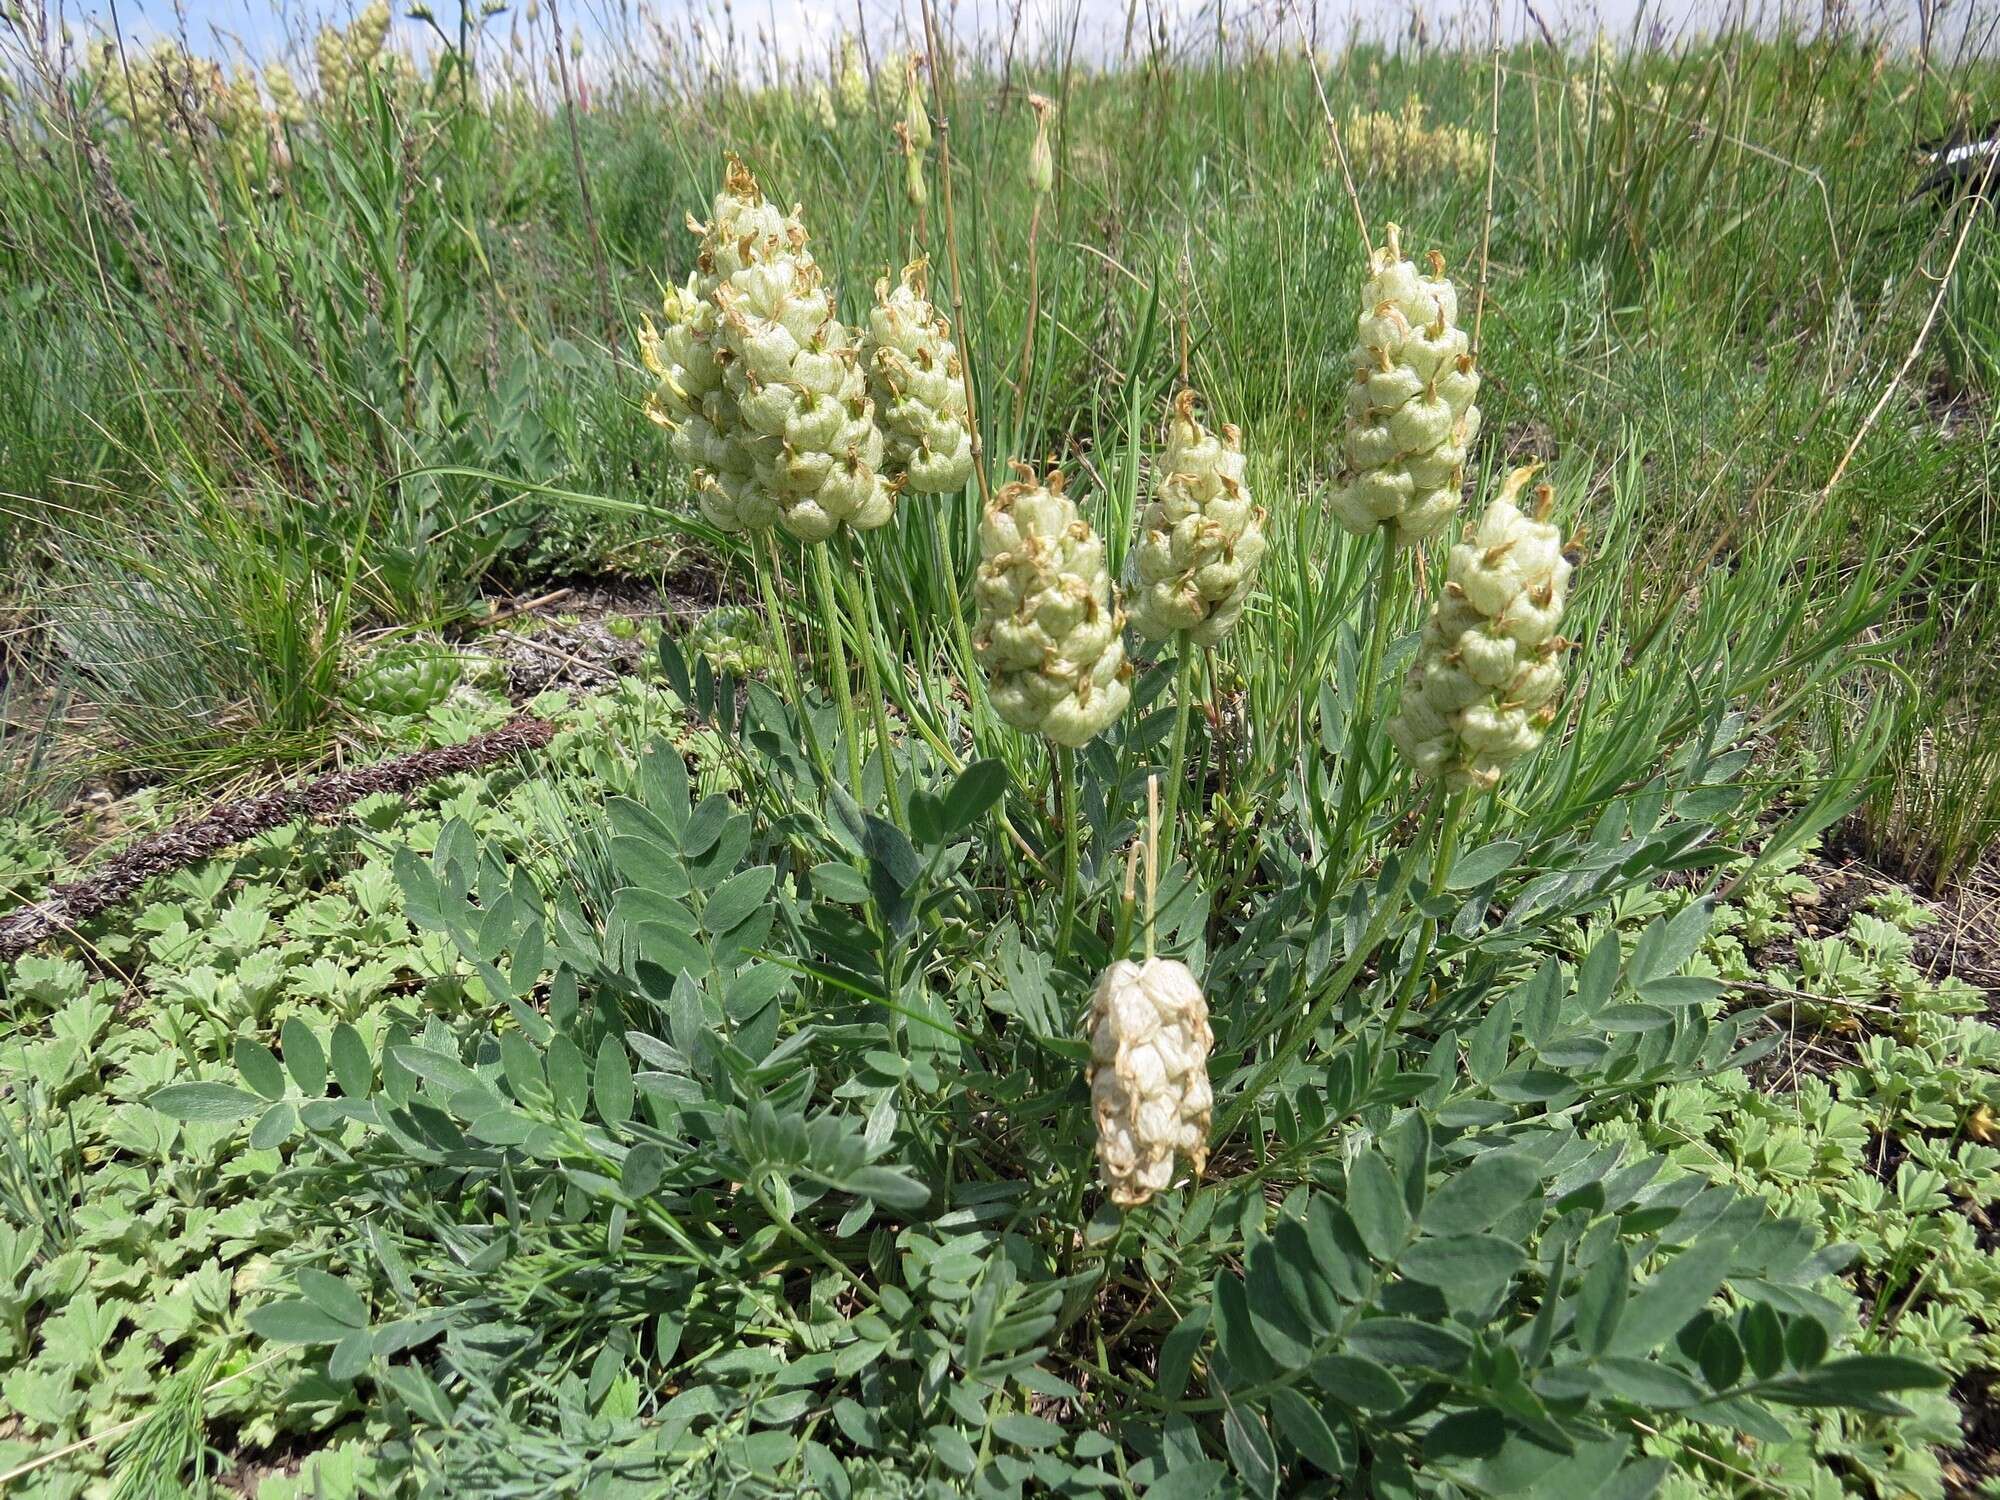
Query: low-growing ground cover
point(1379, 1021)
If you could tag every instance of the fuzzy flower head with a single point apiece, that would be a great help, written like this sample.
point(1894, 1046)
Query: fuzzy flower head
point(762, 384)
point(918, 385)
point(850, 80)
point(1482, 692)
point(1410, 407)
point(1149, 1091)
point(1201, 538)
point(1049, 621)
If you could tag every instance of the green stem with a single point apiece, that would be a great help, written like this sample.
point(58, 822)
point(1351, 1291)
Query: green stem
point(869, 645)
point(1065, 766)
point(1336, 990)
point(1177, 757)
point(1358, 721)
point(787, 666)
point(843, 690)
point(1441, 862)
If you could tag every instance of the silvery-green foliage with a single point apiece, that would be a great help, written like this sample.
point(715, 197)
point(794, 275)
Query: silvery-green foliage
point(918, 386)
point(1410, 413)
point(1049, 620)
point(1201, 539)
point(1482, 690)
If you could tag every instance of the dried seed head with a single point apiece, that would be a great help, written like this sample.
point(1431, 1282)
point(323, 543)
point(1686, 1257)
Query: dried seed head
point(1149, 1091)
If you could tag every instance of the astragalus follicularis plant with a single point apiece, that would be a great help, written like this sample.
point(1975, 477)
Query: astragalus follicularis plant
point(1048, 619)
point(1482, 691)
point(1149, 1090)
point(691, 399)
point(1201, 539)
point(762, 384)
point(1410, 411)
point(918, 386)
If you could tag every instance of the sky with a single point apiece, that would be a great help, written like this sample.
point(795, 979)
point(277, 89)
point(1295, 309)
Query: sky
point(808, 28)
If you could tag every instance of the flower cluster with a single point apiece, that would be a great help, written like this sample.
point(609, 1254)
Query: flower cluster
point(1482, 691)
point(918, 386)
point(1410, 411)
point(1048, 621)
point(1149, 1090)
point(344, 56)
point(1402, 145)
point(1200, 540)
point(762, 384)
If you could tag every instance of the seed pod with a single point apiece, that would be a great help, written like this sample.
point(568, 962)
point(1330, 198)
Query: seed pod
point(1410, 411)
point(1482, 691)
point(1149, 1090)
point(915, 190)
point(916, 117)
point(1049, 621)
point(918, 386)
point(1201, 539)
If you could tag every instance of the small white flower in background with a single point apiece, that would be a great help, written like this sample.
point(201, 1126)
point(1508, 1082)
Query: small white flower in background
point(918, 385)
point(1201, 539)
point(1482, 692)
point(1149, 1091)
point(1048, 618)
point(1410, 411)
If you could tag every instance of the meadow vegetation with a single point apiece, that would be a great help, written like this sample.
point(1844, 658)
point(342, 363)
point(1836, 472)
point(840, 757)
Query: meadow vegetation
point(1512, 1017)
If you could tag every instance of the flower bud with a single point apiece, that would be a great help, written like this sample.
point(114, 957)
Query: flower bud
point(1410, 411)
point(1482, 691)
point(1149, 1091)
point(1201, 539)
point(1041, 159)
point(1049, 621)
